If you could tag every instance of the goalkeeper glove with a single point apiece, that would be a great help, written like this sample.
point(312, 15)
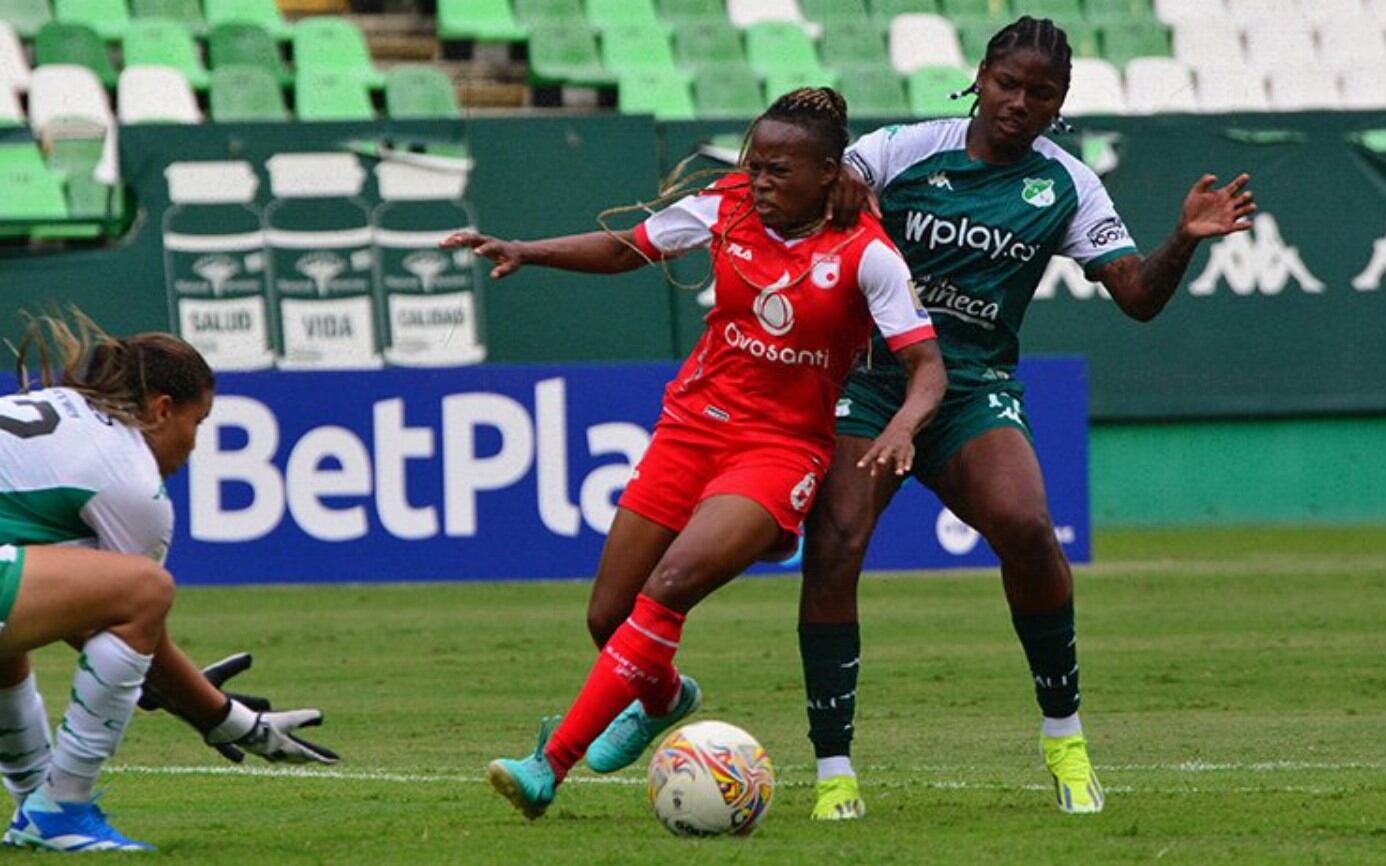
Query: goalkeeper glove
point(270, 735)
point(216, 673)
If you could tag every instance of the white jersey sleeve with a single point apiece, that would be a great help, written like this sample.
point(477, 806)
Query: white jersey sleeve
point(1096, 234)
point(682, 226)
point(881, 155)
point(884, 279)
point(132, 518)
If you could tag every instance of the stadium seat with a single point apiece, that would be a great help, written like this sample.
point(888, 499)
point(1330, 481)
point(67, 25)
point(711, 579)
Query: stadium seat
point(973, 37)
point(931, 90)
point(1123, 42)
point(331, 94)
point(1216, 42)
point(1348, 42)
point(781, 81)
point(1065, 13)
point(1180, 11)
point(747, 13)
point(874, 91)
point(155, 94)
point(884, 11)
point(419, 90)
point(1094, 88)
point(627, 48)
point(662, 92)
point(479, 20)
point(28, 194)
point(923, 40)
point(1322, 12)
point(705, 43)
point(681, 12)
point(1361, 87)
point(777, 46)
point(77, 163)
point(1253, 13)
point(1159, 84)
point(247, 45)
point(1303, 88)
point(1103, 12)
point(109, 18)
point(245, 93)
point(185, 12)
point(727, 91)
point(561, 54)
point(14, 63)
point(21, 153)
point(164, 42)
point(27, 17)
point(834, 12)
point(65, 94)
point(1084, 39)
point(11, 112)
point(996, 12)
point(263, 13)
point(1275, 45)
point(74, 44)
point(330, 43)
point(1378, 10)
point(853, 43)
point(1230, 88)
point(550, 13)
point(605, 14)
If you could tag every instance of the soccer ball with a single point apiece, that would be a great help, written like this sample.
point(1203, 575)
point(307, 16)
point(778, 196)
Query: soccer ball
point(710, 779)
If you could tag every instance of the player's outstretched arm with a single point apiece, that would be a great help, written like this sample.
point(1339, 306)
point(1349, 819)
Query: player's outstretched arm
point(592, 253)
point(1142, 286)
point(893, 450)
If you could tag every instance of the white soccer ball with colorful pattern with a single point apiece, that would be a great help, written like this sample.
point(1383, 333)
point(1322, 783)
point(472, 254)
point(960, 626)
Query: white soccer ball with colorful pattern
point(711, 779)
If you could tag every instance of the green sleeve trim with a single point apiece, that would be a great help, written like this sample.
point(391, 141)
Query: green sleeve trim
point(1092, 265)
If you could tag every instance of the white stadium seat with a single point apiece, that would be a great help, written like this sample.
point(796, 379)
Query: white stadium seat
point(64, 94)
point(155, 94)
point(917, 41)
point(1253, 13)
point(1230, 88)
point(1158, 84)
point(1215, 42)
point(1361, 87)
point(1323, 11)
point(14, 66)
point(744, 13)
point(1176, 11)
point(1303, 88)
point(1275, 45)
point(1349, 42)
point(11, 114)
point(1094, 88)
point(1378, 10)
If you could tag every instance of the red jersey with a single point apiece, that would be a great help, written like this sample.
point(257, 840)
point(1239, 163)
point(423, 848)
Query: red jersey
point(790, 317)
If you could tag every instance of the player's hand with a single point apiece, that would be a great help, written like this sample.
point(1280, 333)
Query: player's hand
point(892, 451)
point(1210, 212)
point(848, 197)
point(271, 735)
point(216, 673)
point(508, 255)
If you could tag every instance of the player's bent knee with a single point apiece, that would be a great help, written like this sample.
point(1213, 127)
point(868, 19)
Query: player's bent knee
point(149, 594)
point(1021, 532)
point(602, 622)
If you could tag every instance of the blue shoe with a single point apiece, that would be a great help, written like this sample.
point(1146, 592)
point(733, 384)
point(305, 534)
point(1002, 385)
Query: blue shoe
point(48, 825)
point(630, 733)
point(528, 783)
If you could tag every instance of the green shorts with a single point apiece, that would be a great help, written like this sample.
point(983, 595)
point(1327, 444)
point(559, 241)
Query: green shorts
point(11, 567)
point(871, 398)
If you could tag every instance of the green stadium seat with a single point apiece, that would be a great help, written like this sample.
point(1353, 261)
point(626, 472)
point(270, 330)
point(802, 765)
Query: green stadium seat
point(680, 12)
point(1123, 42)
point(853, 43)
point(330, 43)
point(25, 154)
point(995, 12)
point(27, 17)
point(727, 91)
point(186, 12)
point(873, 91)
point(630, 48)
point(74, 161)
point(164, 42)
point(705, 43)
point(419, 90)
point(829, 12)
point(973, 36)
point(1117, 11)
point(550, 13)
point(109, 18)
point(781, 81)
point(29, 194)
point(76, 44)
point(479, 20)
point(605, 14)
point(562, 54)
point(930, 90)
point(1063, 12)
point(247, 45)
point(1084, 38)
point(264, 13)
point(245, 93)
point(661, 92)
point(331, 94)
point(884, 10)
point(774, 46)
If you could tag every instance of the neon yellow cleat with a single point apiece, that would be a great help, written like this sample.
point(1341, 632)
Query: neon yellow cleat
point(839, 799)
point(1075, 783)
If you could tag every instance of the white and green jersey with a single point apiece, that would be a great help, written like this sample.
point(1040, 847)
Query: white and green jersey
point(69, 474)
point(978, 237)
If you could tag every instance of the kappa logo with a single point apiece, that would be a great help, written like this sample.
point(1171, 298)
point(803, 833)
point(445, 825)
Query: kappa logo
point(1037, 191)
point(1370, 278)
point(1255, 261)
point(827, 270)
point(940, 180)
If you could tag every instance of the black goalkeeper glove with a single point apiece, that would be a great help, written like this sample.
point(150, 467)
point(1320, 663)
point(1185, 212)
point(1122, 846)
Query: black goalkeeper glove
point(216, 673)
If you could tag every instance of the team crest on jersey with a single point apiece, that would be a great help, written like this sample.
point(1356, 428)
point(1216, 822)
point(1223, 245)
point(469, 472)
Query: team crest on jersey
point(1038, 191)
point(827, 270)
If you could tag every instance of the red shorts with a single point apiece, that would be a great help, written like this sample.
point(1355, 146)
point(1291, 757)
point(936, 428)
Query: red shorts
point(686, 464)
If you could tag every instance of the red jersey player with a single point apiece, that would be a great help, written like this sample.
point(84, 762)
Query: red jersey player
point(746, 431)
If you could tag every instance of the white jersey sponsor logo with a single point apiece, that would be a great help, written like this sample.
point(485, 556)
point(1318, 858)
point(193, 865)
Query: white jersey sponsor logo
point(936, 231)
point(773, 310)
point(943, 297)
point(1254, 261)
point(773, 352)
point(802, 493)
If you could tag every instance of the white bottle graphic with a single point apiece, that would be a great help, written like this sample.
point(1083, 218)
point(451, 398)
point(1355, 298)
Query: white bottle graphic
point(430, 297)
point(214, 261)
point(318, 234)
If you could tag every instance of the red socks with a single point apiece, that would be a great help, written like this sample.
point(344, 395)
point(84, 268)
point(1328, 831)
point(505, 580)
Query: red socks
point(637, 662)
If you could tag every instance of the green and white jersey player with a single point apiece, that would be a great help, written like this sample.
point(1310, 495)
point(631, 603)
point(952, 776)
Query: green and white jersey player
point(978, 207)
point(85, 526)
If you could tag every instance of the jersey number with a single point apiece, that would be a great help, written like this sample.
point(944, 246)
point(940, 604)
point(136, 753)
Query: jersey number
point(46, 422)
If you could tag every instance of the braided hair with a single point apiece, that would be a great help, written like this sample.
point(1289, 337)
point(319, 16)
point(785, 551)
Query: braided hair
point(821, 110)
point(1040, 35)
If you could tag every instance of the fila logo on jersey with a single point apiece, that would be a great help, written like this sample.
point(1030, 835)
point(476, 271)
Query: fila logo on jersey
point(1037, 191)
point(940, 179)
point(826, 270)
point(965, 233)
point(739, 251)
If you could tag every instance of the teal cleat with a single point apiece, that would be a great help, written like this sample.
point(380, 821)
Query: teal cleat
point(630, 733)
point(48, 825)
point(528, 783)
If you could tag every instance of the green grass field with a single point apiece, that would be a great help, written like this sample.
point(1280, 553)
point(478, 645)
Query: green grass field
point(1234, 685)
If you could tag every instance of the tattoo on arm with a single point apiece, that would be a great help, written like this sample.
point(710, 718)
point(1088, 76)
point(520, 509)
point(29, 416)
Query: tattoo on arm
point(1142, 286)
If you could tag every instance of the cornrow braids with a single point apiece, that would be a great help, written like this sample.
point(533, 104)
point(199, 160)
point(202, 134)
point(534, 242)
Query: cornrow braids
point(819, 109)
point(1033, 34)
